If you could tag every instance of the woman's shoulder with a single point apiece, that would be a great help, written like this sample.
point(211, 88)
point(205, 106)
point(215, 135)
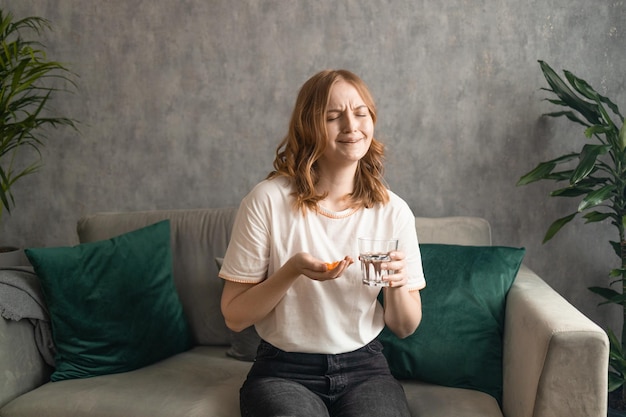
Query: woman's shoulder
point(272, 185)
point(270, 190)
point(396, 202)
point(396, 208)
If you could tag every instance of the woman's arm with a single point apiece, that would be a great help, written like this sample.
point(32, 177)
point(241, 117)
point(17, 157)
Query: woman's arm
point(403, 308)
point(245, 304)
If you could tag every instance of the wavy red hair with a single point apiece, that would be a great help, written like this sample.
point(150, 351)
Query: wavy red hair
point(304, 144)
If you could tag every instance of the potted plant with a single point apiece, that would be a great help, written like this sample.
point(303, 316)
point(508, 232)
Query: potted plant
point(28, 80)
point(596, 175)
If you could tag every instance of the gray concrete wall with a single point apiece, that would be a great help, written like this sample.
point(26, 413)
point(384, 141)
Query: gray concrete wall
point(182, 104)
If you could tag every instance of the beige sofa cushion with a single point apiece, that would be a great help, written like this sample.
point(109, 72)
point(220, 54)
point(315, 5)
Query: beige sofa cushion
point(453, 230)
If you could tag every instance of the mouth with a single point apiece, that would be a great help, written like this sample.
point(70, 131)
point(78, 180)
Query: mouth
point(350, 141)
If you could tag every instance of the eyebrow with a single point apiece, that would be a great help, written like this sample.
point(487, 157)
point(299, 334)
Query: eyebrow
point(363, 106)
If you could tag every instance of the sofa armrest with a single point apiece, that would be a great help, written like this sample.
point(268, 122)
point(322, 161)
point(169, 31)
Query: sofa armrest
point(22, 368)
point(555, 358)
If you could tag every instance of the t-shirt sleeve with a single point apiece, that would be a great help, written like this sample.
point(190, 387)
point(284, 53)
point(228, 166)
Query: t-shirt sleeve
point(247, 256)
point(408, 243)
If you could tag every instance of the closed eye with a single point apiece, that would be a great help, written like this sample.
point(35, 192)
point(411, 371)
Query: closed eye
point(361, 111)
point(333, 116)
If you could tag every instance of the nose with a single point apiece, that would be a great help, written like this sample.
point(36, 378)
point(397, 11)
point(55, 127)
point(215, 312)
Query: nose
point(350, 123)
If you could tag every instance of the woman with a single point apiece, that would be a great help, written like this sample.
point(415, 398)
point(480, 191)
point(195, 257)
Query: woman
point(319, 355)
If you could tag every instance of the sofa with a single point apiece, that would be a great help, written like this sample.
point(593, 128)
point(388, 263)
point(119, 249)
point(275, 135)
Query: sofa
point(554, 359)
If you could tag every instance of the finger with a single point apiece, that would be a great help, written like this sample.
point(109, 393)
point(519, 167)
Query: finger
point(396, 283)
point(392, 267)
point(397, 255)
point(343, 264)
point(397, 279)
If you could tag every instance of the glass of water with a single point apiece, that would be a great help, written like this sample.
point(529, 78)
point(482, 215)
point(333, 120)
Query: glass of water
point(373, 252)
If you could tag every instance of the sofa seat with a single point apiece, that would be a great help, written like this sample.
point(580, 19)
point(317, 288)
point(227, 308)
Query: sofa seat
point(431, 400)
point(198, 383)
point(203, 382)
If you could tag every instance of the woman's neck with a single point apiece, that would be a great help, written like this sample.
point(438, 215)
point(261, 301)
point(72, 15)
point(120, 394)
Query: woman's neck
point(339, 186)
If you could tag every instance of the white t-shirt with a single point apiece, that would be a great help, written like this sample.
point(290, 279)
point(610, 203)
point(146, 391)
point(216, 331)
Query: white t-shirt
point(328, 317)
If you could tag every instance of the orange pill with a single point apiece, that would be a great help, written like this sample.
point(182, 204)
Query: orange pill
point(332, 265)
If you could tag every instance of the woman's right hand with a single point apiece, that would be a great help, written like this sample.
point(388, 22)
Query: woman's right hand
point(316, 269)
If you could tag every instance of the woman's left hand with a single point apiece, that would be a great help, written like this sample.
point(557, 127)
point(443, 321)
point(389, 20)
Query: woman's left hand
point(397, 269)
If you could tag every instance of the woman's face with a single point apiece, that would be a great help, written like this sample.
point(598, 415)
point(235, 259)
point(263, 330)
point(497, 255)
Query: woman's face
point(349, 126)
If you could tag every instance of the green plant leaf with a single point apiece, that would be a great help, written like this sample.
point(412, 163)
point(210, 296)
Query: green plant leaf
point(616, 248)
point(615, 381)
point(614, 108)
point(581, 86)
point(544, 169)
point(584, 88)
point(559, 87)
point(617, 362)
point(587, 164)
point(596, 216)
point(597, 130)
point(584, 186)
point(619, 300)
point(6, 197)
point(569, 114)
point(560, 176)
point(557, 225)
point(614, 343)
point(611, 296)
point(622, 137)
point(540, 172)
point(571, 191)
point(596, 197)
point(606, 293)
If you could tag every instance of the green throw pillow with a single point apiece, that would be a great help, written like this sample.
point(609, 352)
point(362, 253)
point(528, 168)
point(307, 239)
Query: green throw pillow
point(113, 304)
point(459, 341)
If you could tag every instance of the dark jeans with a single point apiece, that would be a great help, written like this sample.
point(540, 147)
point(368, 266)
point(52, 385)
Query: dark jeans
point(354, 384)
